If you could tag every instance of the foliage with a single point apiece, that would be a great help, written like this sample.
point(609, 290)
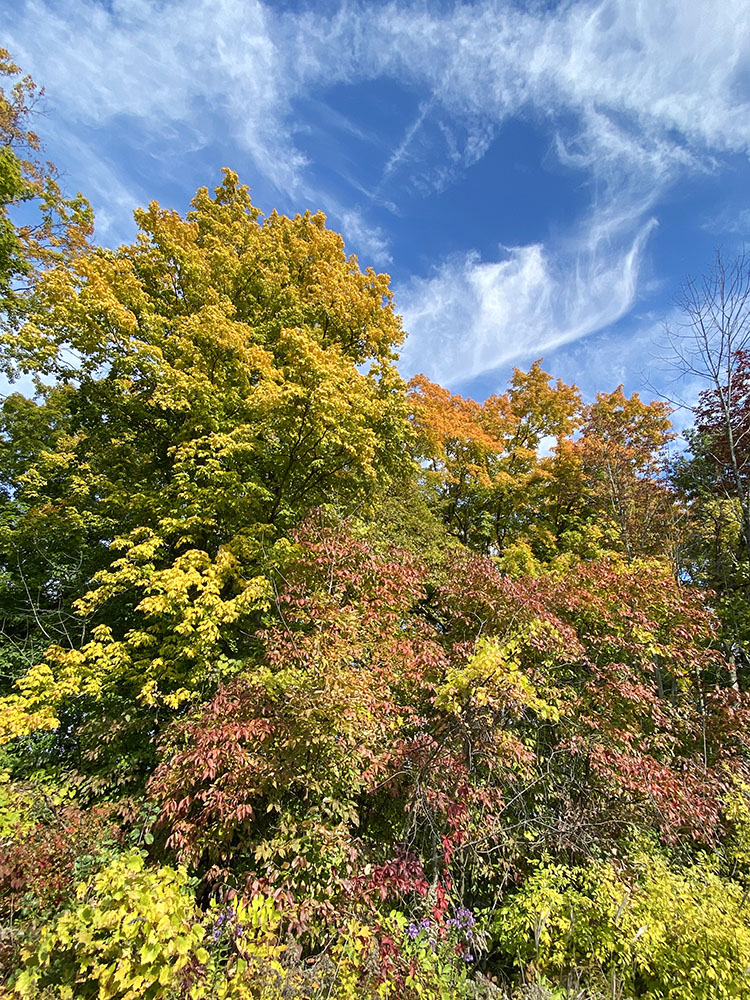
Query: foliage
point(623, 454)
point(131, 933)
point(317, 685)
point(217, 394)
point(61, 226)
point(482, 461)
point(661, 934)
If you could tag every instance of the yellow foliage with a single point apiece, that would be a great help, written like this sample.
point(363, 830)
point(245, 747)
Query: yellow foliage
point(232, 372)
point(167, 659)
point(493, 678)
point(130, 934)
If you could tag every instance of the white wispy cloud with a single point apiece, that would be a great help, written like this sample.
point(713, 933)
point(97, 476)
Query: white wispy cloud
point(648, 76)
point(472, 315)
point(633, 92)
point(371, 240)
point(402, 149)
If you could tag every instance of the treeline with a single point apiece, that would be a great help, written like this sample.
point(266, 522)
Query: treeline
point(320, 685)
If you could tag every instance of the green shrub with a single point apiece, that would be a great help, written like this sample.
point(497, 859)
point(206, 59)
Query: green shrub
point(131, 934)
point(658, 933)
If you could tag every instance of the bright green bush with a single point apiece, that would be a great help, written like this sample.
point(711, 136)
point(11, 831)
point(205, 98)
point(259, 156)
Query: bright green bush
point(658, 934)
point(688, 935)
point(563, 921)
point(737, 843)
point(131, 935)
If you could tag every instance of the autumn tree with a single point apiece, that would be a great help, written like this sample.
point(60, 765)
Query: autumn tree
point(539, 415)
point(623, 450)
point(54, 226)
point(460, 454)
point(40, 228)
point(485, 462)
point(710, 344)
point(198, 392)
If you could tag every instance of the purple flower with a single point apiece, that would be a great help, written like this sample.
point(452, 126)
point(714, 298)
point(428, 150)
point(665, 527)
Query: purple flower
point(412, 930)
point(226, 917)
point(463, 920)
point(468, 957)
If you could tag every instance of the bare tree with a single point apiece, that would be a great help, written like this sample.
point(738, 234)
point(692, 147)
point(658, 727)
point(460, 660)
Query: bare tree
point(711, 343)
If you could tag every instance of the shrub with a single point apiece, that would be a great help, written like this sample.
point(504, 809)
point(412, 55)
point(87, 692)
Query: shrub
point(132, 934)
point(659, 934)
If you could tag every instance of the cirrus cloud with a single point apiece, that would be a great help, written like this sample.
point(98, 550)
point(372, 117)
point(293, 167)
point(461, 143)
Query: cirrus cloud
point(633, 95)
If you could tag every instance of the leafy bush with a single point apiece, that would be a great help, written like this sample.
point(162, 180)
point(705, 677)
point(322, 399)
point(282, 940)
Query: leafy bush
point(664, 934)
point(133, 933)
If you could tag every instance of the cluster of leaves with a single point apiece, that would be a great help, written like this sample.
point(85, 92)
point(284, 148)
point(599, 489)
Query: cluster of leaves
point(53, 227)
point(651, 932)
point(320, 685)
point(533, 473)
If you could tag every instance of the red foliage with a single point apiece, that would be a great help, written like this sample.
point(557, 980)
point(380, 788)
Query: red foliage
point(317, 768)
point(401, 876)
point(38, 863)
point(723, 418)
point(632, 650)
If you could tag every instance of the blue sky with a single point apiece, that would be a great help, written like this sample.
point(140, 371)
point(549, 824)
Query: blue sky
point(537, 178)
